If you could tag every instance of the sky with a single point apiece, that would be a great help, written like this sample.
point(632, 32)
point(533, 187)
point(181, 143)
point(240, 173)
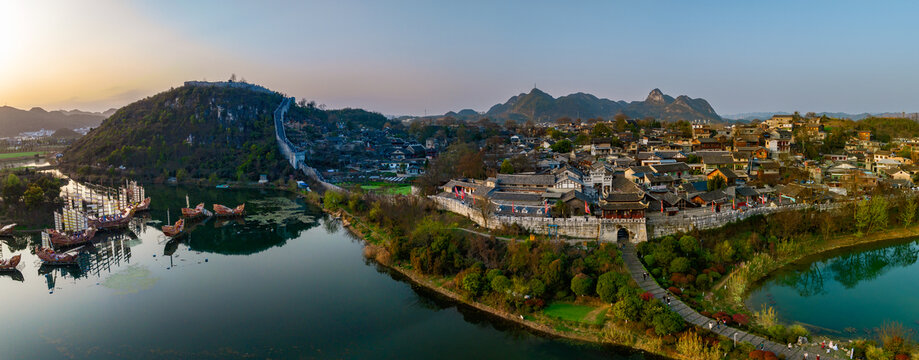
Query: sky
point(417, 57)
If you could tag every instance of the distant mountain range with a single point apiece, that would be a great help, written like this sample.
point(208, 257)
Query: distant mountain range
point(839, 115)
point(542, 107)
point(14, 121)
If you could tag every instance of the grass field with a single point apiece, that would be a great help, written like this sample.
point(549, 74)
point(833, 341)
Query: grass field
point(18, 155)
point(387, 188)
point(576, 313)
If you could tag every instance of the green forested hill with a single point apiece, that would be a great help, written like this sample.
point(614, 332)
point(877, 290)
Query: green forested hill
point(191, 131)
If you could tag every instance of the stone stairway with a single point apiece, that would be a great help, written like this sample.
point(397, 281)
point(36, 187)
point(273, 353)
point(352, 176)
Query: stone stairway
point(636, 269)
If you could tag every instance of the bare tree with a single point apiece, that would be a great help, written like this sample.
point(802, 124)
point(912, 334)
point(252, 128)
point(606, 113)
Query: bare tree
point(486, 208)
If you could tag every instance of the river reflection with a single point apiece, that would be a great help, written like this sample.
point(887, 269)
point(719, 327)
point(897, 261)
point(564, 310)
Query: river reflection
point(849, 269)
point(847, 291)
point(283, 282)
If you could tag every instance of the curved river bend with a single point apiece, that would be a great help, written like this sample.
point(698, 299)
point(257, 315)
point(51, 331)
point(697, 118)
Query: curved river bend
point(848, 292)
point(284, 283)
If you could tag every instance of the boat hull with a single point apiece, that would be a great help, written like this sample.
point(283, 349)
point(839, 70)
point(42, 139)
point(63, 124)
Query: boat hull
point(61, 239)
point(103, 224)
point(193, 213)
point(143, 205)
point(223, 211)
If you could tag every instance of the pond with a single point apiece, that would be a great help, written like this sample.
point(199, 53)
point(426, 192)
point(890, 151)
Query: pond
point(849, 292)
point(284, 282)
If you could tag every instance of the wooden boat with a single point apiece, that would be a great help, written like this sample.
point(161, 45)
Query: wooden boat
point(224, 211)
point(174, 230)
point(143, 205)
point(11, 264)
point(223, 186)
point(112, 221)
point(75, 238)
point(50, 257)
point(7, 230)
point(193, 213)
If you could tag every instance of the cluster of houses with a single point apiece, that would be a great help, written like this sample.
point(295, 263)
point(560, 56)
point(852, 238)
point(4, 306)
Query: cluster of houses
point(663, 172)
point(367, 154)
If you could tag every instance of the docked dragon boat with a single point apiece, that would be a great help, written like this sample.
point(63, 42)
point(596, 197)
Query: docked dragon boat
point(144, 205)
point(51, 257)
point(223, 211)
point(61, 238)
point(115, 221)
point(135, 195)
point(193, 213)
point(174, 230)
point(11, 264)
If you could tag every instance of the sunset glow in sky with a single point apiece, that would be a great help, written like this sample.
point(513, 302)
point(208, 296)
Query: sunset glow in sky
point(405, 57)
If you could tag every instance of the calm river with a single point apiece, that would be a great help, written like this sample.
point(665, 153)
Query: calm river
point(286, 282)
point(850, 292)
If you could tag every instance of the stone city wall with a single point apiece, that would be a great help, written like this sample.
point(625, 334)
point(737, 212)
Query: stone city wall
point(576, 227)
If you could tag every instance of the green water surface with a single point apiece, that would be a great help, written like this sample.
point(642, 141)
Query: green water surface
point(848, 293)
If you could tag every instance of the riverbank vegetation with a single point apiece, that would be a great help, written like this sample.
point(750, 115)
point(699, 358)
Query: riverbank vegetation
point(580, 291)
point(712, 270)
point(26, 193)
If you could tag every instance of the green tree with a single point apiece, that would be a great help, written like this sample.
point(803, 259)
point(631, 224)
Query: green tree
point(472, 283)
point(33, 196)
point(862, 216)
point(501, 284)
point(552, 275)
point(561, 209)
point(556, 135)
point(12, 188)
point(628, 308)
point(679, 265)
point(716, 183)
point(582, 284)
point(608, 286)
point(663, 253)
point(537, 287)
point(724, 252)
point(667, 322)
point(507, 167)
point(181, 174)
point(878, 213)
point(620, 122)
point(601, 130)
point(908, 213)
point(689, 245)
point(332, 199)
point(562, 146)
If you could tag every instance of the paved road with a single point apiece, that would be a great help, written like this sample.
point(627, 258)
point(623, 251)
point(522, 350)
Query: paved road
point(636, 269)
